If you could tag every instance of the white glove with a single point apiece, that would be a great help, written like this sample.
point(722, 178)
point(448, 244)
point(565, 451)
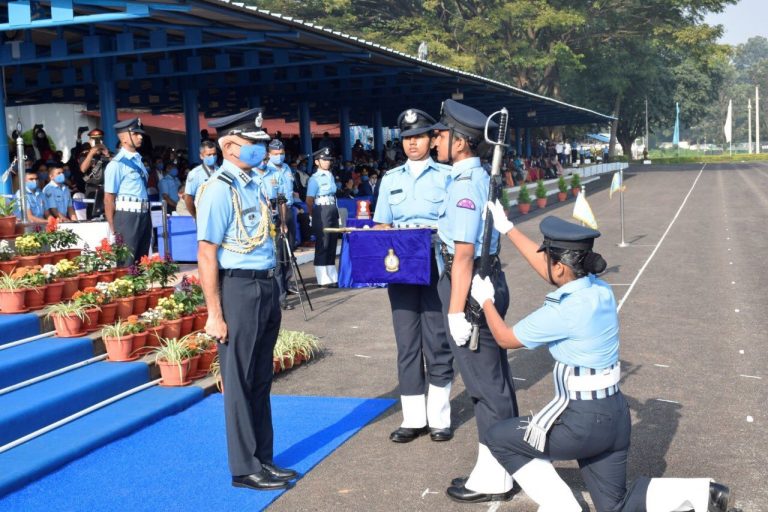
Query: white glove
point(459, 327)
point(482, 289)
point(500, 221)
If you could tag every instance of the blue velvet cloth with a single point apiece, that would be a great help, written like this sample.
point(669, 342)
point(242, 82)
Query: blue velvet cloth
point(368, 249)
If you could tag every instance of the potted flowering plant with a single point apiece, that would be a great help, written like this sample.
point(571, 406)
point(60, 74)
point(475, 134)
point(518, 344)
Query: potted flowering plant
point(172, 357)
point(541, 194)
point(68, 319)
point(88, 262)
point(121, 290)
point(108, 306)
point(123, 254)
point(139, 330)
point(67, 274)
point(12, 295)
point(33, 280)
point(7, 217)
point(91, 300)
point(28, 248)
point(562, 195)
point(8, 260)
point(193, 353)
point(139, 281)
point(119, 342)
point(207, 348)
point(44, 237)
point(55, 288)
point(105, 267)
point(152, 319)
point(188, 305)
point(171, 311)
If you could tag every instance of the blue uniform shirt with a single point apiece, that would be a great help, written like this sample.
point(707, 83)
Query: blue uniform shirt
point(404, 199)
point(35, 204)
point(321, 184)
point(57, 196)
point(216, 221)
point(195, 178)
point(578, 322)
point(270, 181)
point(125, 175)
point(460, 216)
point(285, 180)
point(169, 185)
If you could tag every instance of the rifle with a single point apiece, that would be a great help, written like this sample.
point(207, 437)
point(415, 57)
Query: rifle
point(475, 310)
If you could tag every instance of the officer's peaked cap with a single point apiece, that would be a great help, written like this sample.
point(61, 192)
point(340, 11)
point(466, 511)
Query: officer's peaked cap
point(562, 234)
point(414, 122)
point(129, 125)
point(462, 119)
point(276, 144)
point(247, 125)
point(323, 154)
point(95, 133)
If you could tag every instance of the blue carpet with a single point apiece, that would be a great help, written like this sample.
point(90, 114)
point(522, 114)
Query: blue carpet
point(180, 463)
point(16, 327)
point(26, 361)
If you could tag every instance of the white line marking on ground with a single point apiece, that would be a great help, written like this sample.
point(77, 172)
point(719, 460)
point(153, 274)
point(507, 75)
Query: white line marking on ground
point(361, 355)
point(658, 244)
point(427, 491)
point(736, 310)
point(730, 263)
point(668, 401)
point(733, 282)
point(354, 326)
point(621, 284)
point(750, 419)
point(741, 351)
point(751, 377)
point(518, 378)
point(494, 506)
point(729, 248)
point(661, 365)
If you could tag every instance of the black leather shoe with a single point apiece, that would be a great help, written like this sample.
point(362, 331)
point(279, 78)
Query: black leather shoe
point(279, 473)
point(332, 285)
point(285, 306)
point(719, 497)
point(459, 481)
point(261, 481)
point(440, 434)
point(464, 495)
point(406, 435)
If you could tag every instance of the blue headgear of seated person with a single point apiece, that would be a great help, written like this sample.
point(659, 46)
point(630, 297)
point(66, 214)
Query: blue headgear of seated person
point(252, 154)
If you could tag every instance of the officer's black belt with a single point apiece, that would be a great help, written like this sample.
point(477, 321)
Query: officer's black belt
point(448, 260)
point(247, 273)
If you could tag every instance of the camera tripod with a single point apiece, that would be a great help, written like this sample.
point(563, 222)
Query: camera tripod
point(291, 259)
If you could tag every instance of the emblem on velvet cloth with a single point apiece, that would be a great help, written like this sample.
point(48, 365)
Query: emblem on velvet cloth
point(391, 261)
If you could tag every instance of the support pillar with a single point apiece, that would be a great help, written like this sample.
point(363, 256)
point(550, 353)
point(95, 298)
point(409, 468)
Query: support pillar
point(346, 146)
point(107, 102)
point(378, 136)
point(305, 134)
point(192, 123)
point(528, 142)
point(518, 141)
point(4, 160)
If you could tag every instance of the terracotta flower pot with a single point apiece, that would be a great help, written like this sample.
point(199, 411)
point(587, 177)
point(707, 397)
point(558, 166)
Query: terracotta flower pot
point(68, 326)
point(121, 271)
point(45, 258)
point(139, 342)
point(124, 307)
point(206, 358)
point(153, 336)
point(8, 266)
point(88, 280)
point(276, 368)
point(287, 362)
point(575, 191)
point(53, 292)
point(36, 297)
point(199, 323)
point(166, 291)
point(71, 285)
point(140, 303)
point(91, 323)
point(562, 196)
point(108, 313)
point(28, 261)
point(524, 207)
point(13, 301)
point(105, 277)
point(7, 225)
point(541, 202)
point(58, 256)
point(172, 328)
point(120, 349)
point(194, 362)
point(154, 296)
point(186, 324)
point(174, 374)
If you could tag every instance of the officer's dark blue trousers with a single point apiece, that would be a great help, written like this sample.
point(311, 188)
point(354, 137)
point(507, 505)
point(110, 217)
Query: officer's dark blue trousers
point(421, 335)
point(596, 433)
point(136, 230)
point(485, 372)
point(325, 216)
point(252, 313)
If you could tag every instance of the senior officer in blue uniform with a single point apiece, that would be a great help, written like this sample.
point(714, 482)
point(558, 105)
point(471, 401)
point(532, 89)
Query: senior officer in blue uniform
point(126, 203)
point(485, 371)
point(411, 196)
point(200, 174)
point(236, 255)
point(588, 420)
point(321, 201)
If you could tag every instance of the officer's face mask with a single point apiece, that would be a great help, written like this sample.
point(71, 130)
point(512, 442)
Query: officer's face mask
point(173, 172)
point(60, 179)
point(252, 154)
point(31, 186)
point(210, 161)
point(277, 159)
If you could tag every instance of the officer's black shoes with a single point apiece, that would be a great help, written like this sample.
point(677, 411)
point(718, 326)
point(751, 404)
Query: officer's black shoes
point(719, 497)
point(279, 473)
point(459, 481)
point(285, 306)
point(440, 434)
point(463, 495)
point(332, 285)
point(261, 481)
point(406, 435)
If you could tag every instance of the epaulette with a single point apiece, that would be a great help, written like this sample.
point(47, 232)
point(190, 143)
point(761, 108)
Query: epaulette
point(462, 178)
point(226, 177)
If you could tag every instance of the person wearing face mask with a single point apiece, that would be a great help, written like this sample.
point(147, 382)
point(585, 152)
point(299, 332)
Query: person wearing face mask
point(169, 186)
point(236, 257)
point(200, 174)
point(56, 195)
point(126, 202)
point(364, 188)
point(34, 199)
point(321, 201)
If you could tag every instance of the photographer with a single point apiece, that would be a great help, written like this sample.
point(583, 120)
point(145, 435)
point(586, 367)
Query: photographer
point(92, 168)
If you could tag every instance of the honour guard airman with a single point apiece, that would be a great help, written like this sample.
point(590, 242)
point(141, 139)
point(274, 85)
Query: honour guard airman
point(588, 419)
point(126, 203)
point(287, 223)
point(321, 201)
point(485, 371)
point(411, 195)
point(236, 255)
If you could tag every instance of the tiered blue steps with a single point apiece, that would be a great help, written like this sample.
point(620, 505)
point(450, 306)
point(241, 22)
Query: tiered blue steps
point(38, 405)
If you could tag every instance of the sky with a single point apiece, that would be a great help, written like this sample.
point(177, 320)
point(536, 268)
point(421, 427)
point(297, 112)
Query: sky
point(741, 21)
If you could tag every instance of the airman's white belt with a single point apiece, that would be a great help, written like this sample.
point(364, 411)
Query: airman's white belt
point(325, 200)
point(131, 204)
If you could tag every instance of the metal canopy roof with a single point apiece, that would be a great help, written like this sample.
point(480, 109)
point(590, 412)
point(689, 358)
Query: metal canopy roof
point(55, 50)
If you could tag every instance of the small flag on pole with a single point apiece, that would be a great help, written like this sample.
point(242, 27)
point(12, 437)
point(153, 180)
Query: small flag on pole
point(582, 212)
point(676, 134)
point(728, 122)
point(616, 184)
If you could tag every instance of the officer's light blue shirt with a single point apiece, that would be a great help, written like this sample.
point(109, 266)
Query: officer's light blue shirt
point(35, 204)
point(57, 196)
point(270, 181)
point(216, 221)
point(125, 175)
point(197, 177)
point(404, 199)
point(321, 184)
point(169, 185)
point(578, 322)
point(460, 216)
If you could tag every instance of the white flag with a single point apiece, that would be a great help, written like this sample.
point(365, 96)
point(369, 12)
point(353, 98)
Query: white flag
point(582, 211)
point(728, 121)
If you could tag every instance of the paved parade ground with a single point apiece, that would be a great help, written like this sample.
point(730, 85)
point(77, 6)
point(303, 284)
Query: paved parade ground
point(693, 328)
